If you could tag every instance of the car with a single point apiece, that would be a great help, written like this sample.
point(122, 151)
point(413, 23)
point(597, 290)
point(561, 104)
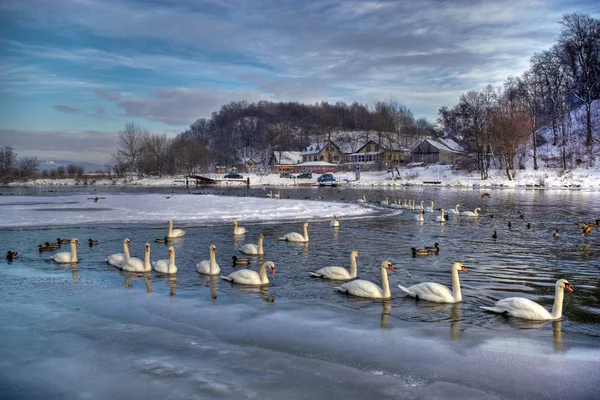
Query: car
point(326, 178)
point(305, 175)
point(233, 175)
point(286, 175)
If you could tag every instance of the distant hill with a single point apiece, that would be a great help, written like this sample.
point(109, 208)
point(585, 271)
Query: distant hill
point(88, 167)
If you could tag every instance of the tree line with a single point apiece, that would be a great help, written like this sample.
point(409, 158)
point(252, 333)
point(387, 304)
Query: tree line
point(501, 125)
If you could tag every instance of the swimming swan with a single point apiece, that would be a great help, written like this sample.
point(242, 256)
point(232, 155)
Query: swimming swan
point(249, 277)
point(454, 210)
point(363, 288)
point(174, 232)
point(339, 273)
point(254, 249)
point(238, 230)
point(295, 236)
point(209, 267)
point(471, 213)
point(132, 264)
point(432, 291)
point(166, 266)
point(116, 259)
point(521, 307)
point(334, 222)
point(65, 256)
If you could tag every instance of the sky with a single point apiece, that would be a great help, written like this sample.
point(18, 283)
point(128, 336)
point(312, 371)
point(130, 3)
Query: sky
point(73, 72)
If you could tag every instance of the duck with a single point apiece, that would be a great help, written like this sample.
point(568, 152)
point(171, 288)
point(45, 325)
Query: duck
point(237, 230)
point(486, 196)
point(442, 217)
point(92, 242)
point(132, 264)
point(419, 252)
point(166, 266)
point(66, 256)
point(520, 307)
point(48, 247)
point(454, 210)
point(116, 259)
point(509, 225)
point(174, 233)
point(254, 249)
point(11, 255)
point(435, 249)
point(435, 292)
point(364, 288)
point(209, 267)
point(60, 241)
point(334, 222)
point(249, 277)
point(494, 235)
point(339, 273)
point(473, 213)
point(556, 233)
point(528, 225)
point(163, 240)
point(240, 261)
point(95, 199)
point(297, 237)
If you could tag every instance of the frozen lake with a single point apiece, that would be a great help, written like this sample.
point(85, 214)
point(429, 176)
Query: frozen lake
point(95, 332)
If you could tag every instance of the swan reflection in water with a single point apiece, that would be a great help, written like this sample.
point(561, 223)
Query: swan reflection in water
point(129, 277)
point(557, 341)
point(172, 285)
point(262, 291)
point(453, 310)
point(74, 272)
point(386, 310)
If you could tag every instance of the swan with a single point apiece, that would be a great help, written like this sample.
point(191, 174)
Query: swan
point(295, 236)
point(334, 222)
point(116, 259)
point(363, 288)
point(385, 202)
point(65, 256)
point(174, 232)
point(339, 273)
point(132, 264)
point(270, 194)
point(166, 266)
point(364, 199)
point(521, 307)
point(419, 217)
point(430, 209)
point(442, 217)
point(249, 277)
point(209, 267)
point(421, 208)
point(238, 230)
point(454, 210)
point(277, 196)
point(432, 291)
point(254, 249)
point(471, 213)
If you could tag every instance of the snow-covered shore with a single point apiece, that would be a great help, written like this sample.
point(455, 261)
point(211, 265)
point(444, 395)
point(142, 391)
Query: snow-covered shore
point(444, 176)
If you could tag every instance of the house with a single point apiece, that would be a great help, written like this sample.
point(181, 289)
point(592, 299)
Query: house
point(372, 152)
point(285, 161)
point(437, 151)
point(249, 164)
point(316, 167)
point(328, 152)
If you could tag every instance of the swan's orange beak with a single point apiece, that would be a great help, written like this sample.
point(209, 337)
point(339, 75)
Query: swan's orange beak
point(568, 287)
point(357, 254)
point(77, 242)
point(463, 269)
point(272, 271)
point(170, 252)
point(391, 268)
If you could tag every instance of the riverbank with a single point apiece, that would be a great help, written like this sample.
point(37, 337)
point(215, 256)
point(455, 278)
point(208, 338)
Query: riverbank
point(443, 176)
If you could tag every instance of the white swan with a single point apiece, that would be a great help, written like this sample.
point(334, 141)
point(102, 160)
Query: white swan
point(471, 213)
point(430, 209)
point(454, 210)
point(363, 288)
point(339, 273)
point(166, 266)
point(249, 277)
point(238, 230)
point(385, 202)
point(116, 259)
point(419, 217)
point(270, 194)
point(442, 217)
point(521, 307)
point(432, 291)
point(209, 267)
point(254, 249)
point(295, 236)
point(364, 199)
point(132, 264)
point(65, 256)
point(334, 222)
point(421, 206)
point(173, 233)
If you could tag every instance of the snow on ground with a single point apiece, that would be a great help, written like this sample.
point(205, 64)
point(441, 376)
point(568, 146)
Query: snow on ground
point(17, 211)
point(587, 178)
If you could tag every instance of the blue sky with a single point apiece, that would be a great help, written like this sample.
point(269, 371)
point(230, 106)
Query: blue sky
point(72, 72)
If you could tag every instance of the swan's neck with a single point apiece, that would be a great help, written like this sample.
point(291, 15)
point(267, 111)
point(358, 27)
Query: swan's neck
point(456, 208)
point(263, 274)
point(172, 260)
point(475, 212)
point(558, 303)
point(260, 244)
point(385, 284)
point(147, 265)
point(422, 204)
point(442, 215)
point(126, 249)
point(170, 229)
point(305, 233)
point(73, 252)
point(213, 261)
point(365, 198)
point(353, 266)
point(432, 206)
point(456, 286)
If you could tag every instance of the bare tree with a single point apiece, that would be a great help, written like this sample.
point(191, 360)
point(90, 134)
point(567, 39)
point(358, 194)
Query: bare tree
point(53, 174)
point(190, 155)
point(60, 170)
point(45, 173)
point(79, 170)
point(71, 170)
point(156, 153)
point(131, 145)
point(8, 159)
point(28, 166)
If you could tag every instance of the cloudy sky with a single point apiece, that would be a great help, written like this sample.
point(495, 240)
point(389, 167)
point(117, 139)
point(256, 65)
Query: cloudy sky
point(72, 72)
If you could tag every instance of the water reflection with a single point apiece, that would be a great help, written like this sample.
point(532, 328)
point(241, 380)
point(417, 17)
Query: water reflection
point(173, 285)
point(146, 277)
point(455, 314)
point(557, 340)
point(74, 272)
point(386, 309)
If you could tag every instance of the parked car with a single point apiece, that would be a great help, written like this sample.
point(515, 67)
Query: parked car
point(326, 178)
point(286, 175)
point(233, 175)
point(305, 175)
